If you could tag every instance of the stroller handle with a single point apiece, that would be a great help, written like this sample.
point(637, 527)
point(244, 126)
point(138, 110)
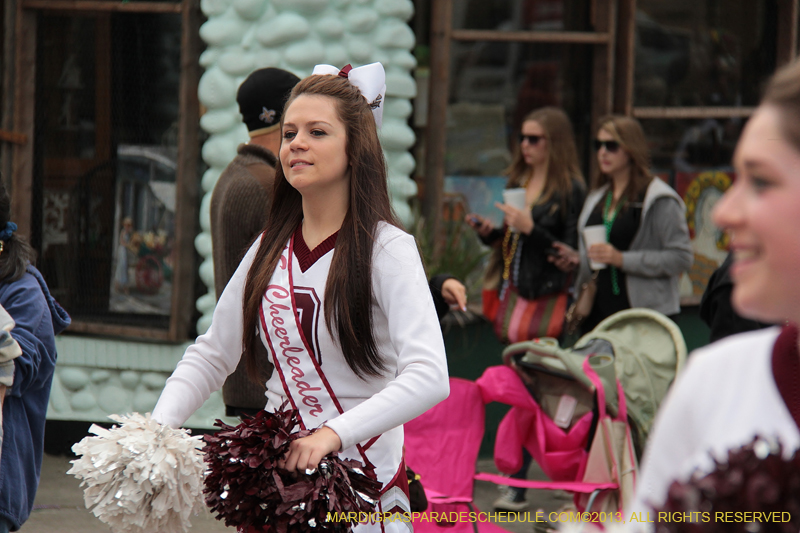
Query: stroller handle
point(547, 353)
point(544, 346)
point(542, 352)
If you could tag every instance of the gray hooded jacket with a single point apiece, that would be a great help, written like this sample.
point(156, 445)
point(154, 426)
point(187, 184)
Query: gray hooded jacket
point(659, 253)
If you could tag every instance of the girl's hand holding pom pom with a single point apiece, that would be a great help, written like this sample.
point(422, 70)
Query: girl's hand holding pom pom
point(305, 453)
point(257, 478)
point(141, 476)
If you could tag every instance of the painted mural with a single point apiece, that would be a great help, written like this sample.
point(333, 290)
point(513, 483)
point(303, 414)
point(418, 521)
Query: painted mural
point(700, 192)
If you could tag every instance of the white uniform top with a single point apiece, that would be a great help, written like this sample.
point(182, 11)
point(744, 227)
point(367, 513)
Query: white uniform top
point(724, 398)
point(407, 334)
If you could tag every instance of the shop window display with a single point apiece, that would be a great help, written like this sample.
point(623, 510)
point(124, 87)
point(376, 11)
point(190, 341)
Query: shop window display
point(107, 143)
point(703, 52)
point(694, 156)
point(143, 252)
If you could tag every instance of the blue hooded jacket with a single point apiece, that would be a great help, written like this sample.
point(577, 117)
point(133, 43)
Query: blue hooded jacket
point(38, 319)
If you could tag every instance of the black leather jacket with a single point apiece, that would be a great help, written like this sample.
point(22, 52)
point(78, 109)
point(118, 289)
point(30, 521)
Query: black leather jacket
point(536, 276)
point(435, 284)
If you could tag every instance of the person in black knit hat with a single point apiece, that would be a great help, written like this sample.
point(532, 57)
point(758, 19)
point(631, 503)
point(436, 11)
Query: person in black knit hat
point(240, 204)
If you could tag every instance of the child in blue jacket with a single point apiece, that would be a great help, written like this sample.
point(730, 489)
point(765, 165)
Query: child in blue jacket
point(38, 319)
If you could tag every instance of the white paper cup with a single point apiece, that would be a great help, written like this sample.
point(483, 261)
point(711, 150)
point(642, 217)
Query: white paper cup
point(594, 235)
point(515, 198)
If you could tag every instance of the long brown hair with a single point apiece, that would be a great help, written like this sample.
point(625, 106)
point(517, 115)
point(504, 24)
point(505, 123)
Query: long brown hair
point(562, 156)
point(783, 92)
point(627, 131)
point(348, 292)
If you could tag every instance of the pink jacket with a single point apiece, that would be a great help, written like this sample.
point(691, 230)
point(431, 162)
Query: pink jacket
point(561, 454)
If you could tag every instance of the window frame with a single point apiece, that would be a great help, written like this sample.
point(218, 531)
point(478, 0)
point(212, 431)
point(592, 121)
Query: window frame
point(788, 11)
point(603, 14)
point(21, 81)
point(614, 41)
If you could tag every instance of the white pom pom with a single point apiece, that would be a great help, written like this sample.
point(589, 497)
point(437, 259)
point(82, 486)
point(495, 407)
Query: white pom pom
point(141, 476)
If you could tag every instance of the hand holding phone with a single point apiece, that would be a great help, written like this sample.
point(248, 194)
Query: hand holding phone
point(482, 225)
point(565, 259)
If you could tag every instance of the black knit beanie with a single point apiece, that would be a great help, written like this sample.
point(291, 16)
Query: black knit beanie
point(261, 98)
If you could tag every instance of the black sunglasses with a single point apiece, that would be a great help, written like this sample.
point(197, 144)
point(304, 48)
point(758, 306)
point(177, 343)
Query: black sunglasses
point(610, 146)
point(532, 139)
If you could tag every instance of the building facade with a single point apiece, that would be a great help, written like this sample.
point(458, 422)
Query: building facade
point(691, 71)
point(118, 116)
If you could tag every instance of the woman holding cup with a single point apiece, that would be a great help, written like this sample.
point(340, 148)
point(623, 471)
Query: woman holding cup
point(633, 232)
point(544, 193)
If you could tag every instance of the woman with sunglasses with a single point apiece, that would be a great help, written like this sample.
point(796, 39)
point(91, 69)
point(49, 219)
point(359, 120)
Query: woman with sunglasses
point(745, 385)
point(545, 164)
point(647, 246)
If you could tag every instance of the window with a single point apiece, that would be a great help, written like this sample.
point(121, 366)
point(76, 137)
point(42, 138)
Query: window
point(491, 63)
point(108, 141)
point(703, 53)
point(699, 70)
point(112, 183)
point(691, 71)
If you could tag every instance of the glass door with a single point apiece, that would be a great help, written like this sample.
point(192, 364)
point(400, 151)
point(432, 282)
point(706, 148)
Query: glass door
point(107, 142)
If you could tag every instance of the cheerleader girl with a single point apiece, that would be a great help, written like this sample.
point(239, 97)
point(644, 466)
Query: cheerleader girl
point(745, 385)
point(334, 290)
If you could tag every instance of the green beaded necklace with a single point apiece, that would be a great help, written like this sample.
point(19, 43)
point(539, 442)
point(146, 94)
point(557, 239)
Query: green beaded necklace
point(608, 221)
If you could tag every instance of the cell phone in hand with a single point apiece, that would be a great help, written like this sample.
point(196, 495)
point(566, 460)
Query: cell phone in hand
point(475, 220)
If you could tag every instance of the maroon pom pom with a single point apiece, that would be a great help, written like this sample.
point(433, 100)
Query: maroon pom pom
point(754, 478)
point(245, 487)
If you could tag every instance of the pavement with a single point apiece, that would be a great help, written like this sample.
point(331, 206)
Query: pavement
point(59, 506)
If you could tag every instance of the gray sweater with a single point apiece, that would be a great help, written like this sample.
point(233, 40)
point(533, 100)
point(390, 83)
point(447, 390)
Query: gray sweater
point(659, 253)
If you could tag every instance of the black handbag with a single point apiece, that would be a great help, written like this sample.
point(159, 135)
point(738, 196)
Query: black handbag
point(416, 494)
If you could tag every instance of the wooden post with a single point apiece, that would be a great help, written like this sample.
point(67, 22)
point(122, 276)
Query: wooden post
point(183, 294)
point(625, 57)
point(603, 70)
point(7, 113)
point(699, 112)
point(92, 6)
point(23, 123)
point(103, 87)
point(441, 28)
point(787, 30)
point(550, 37)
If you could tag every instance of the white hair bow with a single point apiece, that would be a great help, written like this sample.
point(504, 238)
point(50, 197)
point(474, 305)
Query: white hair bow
point(370, 81)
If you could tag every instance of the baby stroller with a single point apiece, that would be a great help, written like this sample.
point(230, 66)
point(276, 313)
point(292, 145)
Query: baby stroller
point(593, 405)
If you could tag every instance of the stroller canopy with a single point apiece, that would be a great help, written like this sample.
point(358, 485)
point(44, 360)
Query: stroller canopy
point(642, 348)
point(649, 351)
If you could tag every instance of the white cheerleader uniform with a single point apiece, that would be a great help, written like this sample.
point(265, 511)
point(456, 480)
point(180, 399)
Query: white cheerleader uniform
point(310, 369)
point(729, 393)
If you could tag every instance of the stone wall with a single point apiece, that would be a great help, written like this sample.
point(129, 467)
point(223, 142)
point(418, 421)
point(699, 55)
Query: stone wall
point(98, 377)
